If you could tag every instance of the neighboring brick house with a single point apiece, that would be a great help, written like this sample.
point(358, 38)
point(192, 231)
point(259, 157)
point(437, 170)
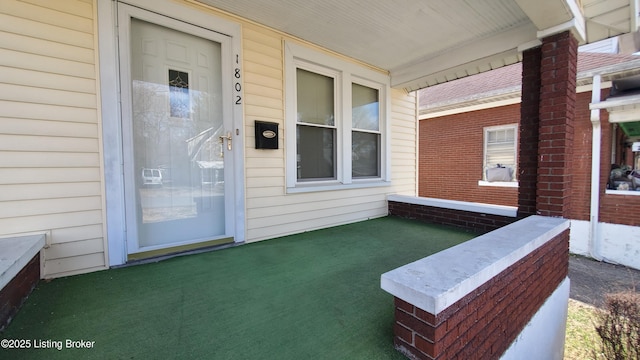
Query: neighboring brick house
point(481, 115)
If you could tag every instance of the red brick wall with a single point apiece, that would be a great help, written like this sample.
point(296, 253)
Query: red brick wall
point(581, 169)
point(614, 209)
point(16, 291)
point(483, 324)
point(432, 185)
point(619, 209)
point(529, 134)
point(476, 222)
point(450, 159)
point(557, 115)
point(442, 138)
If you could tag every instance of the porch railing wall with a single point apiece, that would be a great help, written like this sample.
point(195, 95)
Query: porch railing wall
point(475, 299)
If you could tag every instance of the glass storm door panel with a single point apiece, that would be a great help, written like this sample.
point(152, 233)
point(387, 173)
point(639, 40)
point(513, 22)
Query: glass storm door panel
point(174, 157)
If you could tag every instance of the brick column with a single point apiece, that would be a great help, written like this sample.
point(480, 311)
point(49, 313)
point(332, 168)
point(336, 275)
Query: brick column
point(558, 69)
point(528, 132)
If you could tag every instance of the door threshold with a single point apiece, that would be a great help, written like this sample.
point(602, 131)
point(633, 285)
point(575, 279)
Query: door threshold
point(164, 254)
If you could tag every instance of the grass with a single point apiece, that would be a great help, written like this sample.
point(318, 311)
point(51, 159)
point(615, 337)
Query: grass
point(313, 295)
point(581, 341)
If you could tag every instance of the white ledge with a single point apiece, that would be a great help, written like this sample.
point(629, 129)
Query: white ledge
point(509, 184)
point(622, 192)
point(15, 254)
point(436, 282)
point(510, 211)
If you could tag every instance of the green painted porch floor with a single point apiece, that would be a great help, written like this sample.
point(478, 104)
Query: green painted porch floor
point(314, 295)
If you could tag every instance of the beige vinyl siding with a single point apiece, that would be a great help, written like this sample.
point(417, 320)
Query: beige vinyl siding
point(270, 211)
point(50, 167)
point(50, 155)
point(403, 142)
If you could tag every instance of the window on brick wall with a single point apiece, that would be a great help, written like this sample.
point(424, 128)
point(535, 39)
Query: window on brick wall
point(624, 175)
point(500, 155)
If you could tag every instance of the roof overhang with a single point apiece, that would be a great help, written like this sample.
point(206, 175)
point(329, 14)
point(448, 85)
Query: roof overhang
point(623, 105)
point(512, 94)
point(423, 43)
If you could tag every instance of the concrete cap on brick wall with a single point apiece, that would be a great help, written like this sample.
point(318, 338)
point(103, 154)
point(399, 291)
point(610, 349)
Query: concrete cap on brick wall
point(438, 281)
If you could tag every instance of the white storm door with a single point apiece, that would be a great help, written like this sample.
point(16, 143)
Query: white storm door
point(177, 138)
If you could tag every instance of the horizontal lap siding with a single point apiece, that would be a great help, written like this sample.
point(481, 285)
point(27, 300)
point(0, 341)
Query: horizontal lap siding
point(50, 159)
point(271, 212)
point(403, 143)
point(263, 91)
point(50, 172)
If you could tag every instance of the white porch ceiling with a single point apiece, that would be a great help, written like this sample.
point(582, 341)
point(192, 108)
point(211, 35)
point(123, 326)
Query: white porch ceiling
point(425, 42)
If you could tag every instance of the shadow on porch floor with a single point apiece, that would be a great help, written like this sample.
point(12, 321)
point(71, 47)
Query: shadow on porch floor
point(314, 295)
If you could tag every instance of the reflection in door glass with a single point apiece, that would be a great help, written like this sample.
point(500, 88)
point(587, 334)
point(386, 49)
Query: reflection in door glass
point(179, 102)
point(176, 123)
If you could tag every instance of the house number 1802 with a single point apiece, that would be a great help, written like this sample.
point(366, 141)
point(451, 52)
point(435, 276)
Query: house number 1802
point(237, 86)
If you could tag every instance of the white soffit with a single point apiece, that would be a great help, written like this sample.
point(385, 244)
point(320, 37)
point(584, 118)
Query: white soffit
point(422, 43)
point(608, 18)
point(546, 13)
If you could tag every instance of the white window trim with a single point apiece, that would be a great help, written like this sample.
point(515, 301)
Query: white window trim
point(622, 192)
point(345, 73)
point(509, 184)
point(513, 183)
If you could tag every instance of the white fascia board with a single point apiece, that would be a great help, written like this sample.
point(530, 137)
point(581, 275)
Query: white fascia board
point(627, 115)
point(576, 26)
point(546, 13)
point(471, 55)
point(555, 16)
point(619, 102)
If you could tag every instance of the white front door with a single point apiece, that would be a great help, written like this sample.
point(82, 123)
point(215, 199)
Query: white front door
point(177, 134)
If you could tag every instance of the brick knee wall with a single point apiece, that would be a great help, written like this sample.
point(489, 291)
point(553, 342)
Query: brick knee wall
point(13, 295)
point(477, 222)
point(483, 324)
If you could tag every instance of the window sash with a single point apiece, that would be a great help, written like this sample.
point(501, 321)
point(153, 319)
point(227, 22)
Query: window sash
point(315, 97)
point(315, 153)
point(365, 154)
point(365, 107)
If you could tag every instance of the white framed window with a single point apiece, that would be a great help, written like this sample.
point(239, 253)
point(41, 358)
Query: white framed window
point(366, 134)
point(337, 115)
point(623, 178)
point(500, 156)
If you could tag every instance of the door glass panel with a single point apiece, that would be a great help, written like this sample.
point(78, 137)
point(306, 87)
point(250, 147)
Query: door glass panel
point(177, 118)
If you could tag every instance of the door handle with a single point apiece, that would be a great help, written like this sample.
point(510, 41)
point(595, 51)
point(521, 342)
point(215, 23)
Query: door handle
point(222, 137)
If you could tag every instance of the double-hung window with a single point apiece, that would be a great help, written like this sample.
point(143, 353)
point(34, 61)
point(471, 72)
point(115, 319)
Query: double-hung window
point(500, 154)
point(336, 122)
point(316, 130)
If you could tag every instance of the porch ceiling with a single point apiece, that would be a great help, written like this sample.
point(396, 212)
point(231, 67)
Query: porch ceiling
point(423, 43)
